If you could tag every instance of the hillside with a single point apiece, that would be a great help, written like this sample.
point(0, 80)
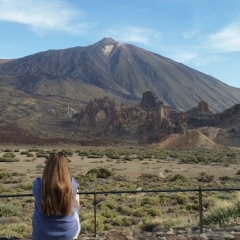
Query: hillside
point(104, 122)
point(193, 139)
point(46, 97)
point(119, 71)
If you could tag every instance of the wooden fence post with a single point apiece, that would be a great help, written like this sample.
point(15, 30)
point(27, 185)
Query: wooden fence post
point(95, 214)
point(200, 210)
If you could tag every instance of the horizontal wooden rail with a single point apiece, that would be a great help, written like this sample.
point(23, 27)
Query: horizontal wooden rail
point(136, 191)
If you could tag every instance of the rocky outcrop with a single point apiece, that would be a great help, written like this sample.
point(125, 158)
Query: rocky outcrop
point(158, 124)
point(97, 111)
point(152, 120)
point(148, 122)
point(150, 100)
point(202, 107)
point(201, 116)
point(230, 115)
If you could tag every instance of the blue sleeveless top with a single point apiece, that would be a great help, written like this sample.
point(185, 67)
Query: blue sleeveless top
point(52, 227)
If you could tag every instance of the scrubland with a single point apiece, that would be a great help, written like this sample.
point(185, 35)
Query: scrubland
point(126, 168)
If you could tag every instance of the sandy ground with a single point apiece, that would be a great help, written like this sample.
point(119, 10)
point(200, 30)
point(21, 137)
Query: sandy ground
point(33, 166)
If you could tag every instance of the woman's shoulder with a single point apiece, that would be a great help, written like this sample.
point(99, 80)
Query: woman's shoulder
point(37, 181)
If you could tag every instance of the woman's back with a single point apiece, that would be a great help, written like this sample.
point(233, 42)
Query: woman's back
point(61, 225)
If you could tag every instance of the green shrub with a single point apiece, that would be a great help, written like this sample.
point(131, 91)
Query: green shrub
point(5, 159)
point(24, 152)
point(99, 200)
point(94, 156)
point(152, 201)
point(16, 231)
point(164, 200)
point(117, 221)
point(203, 177)
point(42, 155)
point(67, 152)
point(192, 207)
point(30, 154)
point(150, 225)
point(127, 221)
point(6, 231)
point(25, 186)
point(95, 153)
point(139, 212)
point(2, 189)
point(225, 178)
point(9, 155)
point(150, 177)
point(88, 225)
point(83, 153)
point(145, 155)
point(110, 203)
point(181, 198)
point(5, 175)
point(9, 211)
point(80, 179)
point(153, 212)
point(100, 172)
point(113, 154)
point(108, 213)
point(33, 150)
point(125, 210)
point(8, 150)
point(223, 212)
point(177, 177)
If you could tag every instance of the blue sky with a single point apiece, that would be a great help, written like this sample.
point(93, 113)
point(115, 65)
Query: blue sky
point(202, 34)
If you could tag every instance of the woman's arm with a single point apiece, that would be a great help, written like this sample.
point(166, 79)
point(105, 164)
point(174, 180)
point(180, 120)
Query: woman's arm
point(75, 194)
point(76, 201)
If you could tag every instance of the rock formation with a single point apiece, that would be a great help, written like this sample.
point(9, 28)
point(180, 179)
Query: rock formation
point(149, 100)
point(152, 120)
point(148, 122)
point(96, 112)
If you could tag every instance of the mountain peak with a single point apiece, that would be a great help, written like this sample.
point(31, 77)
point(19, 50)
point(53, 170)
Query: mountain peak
point(107, 44)
point(107, 41)
point(121, 70)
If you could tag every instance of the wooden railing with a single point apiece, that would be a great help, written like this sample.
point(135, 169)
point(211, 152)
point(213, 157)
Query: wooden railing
point(95, 193)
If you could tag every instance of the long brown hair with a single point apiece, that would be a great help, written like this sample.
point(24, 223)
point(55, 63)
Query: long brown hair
point(56, 191)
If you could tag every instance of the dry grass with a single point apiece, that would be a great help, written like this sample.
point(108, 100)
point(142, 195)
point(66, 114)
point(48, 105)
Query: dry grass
point(160, 170)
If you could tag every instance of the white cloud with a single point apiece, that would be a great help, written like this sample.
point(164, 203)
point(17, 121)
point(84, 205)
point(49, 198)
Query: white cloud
point(213, 48)
point(200, 57)
point(190, 33)
point(139, 35)
point(43, 15)
point(184, 56)
point(209, 59)
point(226, 40)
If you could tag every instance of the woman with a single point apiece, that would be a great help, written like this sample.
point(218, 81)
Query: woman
point(56, 202)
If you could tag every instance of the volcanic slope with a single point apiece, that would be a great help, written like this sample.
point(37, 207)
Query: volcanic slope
point(113, 69)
